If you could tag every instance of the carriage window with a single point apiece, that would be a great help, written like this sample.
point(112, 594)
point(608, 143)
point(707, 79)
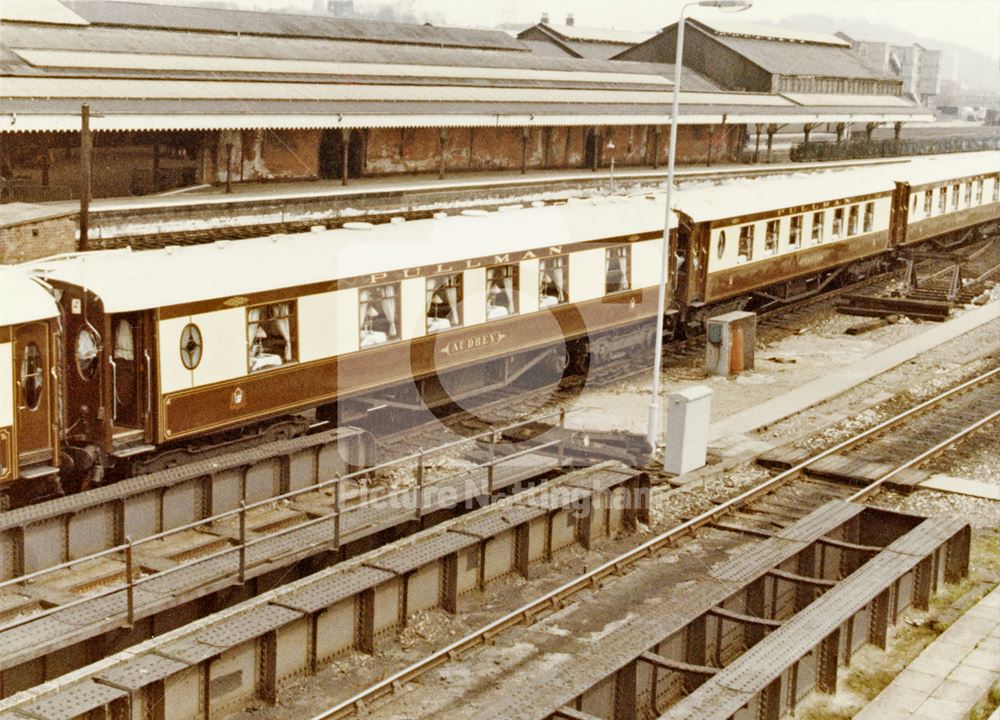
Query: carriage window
point(191, 345)
point(979, 191)
point(771, 237)
point(942, 199)
point(996, 188)
point(616, 268)
point(32, 377)
point(746, 244)
point(869, 217)
point(87, 346)
point(913, 205)
point(968, 193)
point(928, 201)
point(720, 245)
point(501, 291)
point(838, 223)
point(444, 302)
point(795, 232)
point(552, 281)
point(271, 331)
point(819, 219)
point(852, 220)
point(954, 197)
point(378, 314)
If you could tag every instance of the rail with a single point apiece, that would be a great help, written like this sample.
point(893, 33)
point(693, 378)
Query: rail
point(417, 494)
point(556, 598)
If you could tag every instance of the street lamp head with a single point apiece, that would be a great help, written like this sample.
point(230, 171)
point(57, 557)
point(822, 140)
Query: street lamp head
point(732, 5)
point(611, 144)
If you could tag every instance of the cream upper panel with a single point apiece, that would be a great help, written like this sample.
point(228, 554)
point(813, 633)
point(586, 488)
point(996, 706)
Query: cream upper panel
point(224, 345)
point(173, 375)
point(647, 259)
point(586, 275)
point(328, 324)
point(528, 275)
point(6, 385)
point(413, 292)
point(474, 296)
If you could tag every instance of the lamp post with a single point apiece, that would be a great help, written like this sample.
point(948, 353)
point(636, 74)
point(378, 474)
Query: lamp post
point(653, 430)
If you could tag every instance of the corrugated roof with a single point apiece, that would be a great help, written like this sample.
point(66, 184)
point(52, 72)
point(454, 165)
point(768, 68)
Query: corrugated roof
point(737, 28)
point(791, 58)
point(166, 42)
point(599, 35)
point(200, 19)
point(43, 11)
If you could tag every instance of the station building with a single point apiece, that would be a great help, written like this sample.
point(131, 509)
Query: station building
point(185, 96)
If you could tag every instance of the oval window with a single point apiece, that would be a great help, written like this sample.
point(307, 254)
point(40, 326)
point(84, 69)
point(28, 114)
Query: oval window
point(191, 346)
point(87, 349)
point(720, 247)
point(32, 377)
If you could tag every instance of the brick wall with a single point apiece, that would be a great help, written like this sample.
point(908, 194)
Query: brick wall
point(33, 240)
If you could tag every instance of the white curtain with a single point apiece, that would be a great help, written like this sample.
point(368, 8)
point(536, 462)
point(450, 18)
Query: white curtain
point(124, 345)
point(281, 316)
point(432, 285)
point(451, 292)
point(508, 288)
point(623, 268)
point(253, 325)
point(389, 309)
point(556, 274)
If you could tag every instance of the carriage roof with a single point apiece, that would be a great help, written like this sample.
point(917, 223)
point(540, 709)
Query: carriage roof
point(939, 168)
point(127, 281)
point(23, 299)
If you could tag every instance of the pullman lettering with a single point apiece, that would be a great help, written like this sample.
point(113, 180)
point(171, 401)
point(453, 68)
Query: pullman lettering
point(471, 343)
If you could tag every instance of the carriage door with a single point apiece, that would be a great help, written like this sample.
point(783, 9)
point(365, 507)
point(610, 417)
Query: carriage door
point(127, 372)
point(32, 364)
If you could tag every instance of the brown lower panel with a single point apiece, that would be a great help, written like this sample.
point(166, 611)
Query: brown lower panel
point(300, 386)
point(754, 276)
point(932, 227)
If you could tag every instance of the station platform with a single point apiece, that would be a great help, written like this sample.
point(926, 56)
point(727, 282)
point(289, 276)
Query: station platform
point(255, 193)
point(729, 431)
point(951, 675)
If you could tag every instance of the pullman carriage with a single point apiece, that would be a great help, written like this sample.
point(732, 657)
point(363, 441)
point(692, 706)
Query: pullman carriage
point(782, 234)
point(29, 437)
point(169, 345)
point(945, 195)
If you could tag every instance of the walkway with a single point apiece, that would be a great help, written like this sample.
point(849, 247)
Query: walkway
point(951, 675)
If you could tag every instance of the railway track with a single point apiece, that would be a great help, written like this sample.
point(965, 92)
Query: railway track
point(763, 509)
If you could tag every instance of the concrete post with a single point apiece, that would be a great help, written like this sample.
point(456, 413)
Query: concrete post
point(771, 130)
point(756, 147)
point(688, 415)
point(442, 140)
point(86, 149)
point(730, 347)
point(345, 147)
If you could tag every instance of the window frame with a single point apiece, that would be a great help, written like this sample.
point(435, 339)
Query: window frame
point(30, 396)
point(429, 296)
point(795, 231)
point(853, 213)
point(515, 290)
point(563, 264)
point(398, 305)
point(772, 234)
point(968, 193)
point(942, 200)
point(720, 245)
point(610, 253)
point(928, 202)
point(868, 219)
point(817, 231)
point(996, 188)
point(956, 190)
point(293, 333)
point(838, 224)
point(979, 191)
point(194, 331)
point(747, 233)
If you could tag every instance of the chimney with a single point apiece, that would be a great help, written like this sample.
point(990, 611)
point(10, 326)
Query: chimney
point(545, 18)
point(569, 19)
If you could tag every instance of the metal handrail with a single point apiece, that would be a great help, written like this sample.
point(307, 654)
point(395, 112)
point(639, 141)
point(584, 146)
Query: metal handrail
point(129, 546)
point(555, 598)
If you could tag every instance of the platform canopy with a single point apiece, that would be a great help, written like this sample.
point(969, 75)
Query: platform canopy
point(145, 67)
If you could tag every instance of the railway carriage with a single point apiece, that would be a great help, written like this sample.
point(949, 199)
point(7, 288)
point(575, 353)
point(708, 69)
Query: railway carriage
point(948, 195)
point(747, 237)
point(29, 429)
point(182, 343)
